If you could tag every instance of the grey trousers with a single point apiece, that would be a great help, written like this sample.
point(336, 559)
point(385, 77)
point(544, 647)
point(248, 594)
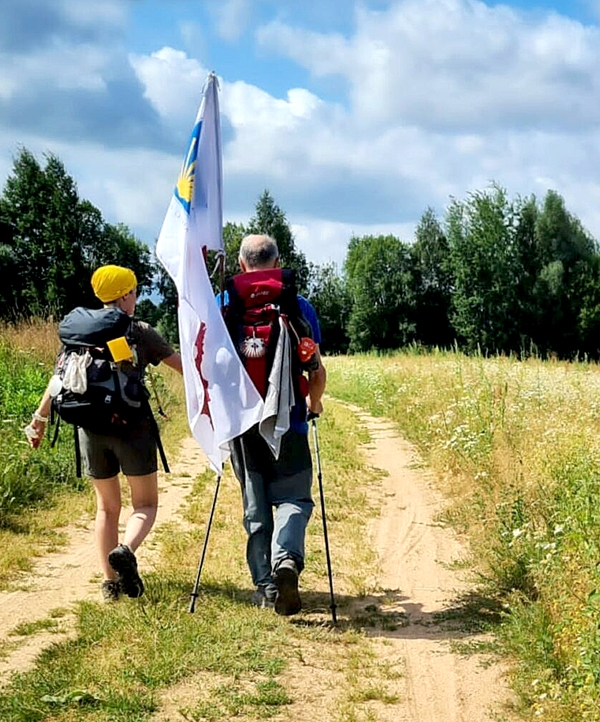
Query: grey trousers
point(284, 485)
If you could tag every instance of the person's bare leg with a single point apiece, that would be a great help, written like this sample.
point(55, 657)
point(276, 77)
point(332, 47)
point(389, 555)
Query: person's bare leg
point(106, 531)
point(144, 499)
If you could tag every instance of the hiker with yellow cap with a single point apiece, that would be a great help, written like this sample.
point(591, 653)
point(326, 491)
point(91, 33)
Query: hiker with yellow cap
point(98, 386)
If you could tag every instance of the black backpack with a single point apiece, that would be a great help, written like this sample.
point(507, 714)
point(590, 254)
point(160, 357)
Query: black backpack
point(256, 302)
point(115, 398)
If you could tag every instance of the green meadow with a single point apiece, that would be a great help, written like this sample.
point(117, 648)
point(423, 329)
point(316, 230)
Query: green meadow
point(515, 448)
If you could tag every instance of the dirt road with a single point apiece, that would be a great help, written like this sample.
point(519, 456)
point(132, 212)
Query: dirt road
point(416, 555)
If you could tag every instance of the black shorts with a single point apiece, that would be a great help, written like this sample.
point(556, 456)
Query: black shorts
point(133, 452)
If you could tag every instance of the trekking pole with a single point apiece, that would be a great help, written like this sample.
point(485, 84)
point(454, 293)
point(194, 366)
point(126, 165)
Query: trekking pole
point(155, 392)
point(313, 417)
point(194, 594)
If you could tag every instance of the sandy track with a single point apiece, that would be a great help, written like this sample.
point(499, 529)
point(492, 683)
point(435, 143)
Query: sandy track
point(416, 553)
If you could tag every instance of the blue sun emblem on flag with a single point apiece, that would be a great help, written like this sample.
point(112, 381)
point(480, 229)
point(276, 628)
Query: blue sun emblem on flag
point(185, 183)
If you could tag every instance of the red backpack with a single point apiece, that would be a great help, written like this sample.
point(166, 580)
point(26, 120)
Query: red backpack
point(256, 302)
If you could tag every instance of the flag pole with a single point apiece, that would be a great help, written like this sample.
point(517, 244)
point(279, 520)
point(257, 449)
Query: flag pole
point(222, 281)
point(221, 400)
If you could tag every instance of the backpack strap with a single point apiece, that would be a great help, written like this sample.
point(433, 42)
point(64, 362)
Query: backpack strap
point(77, 452)
point(54, 419)
point(156, 435)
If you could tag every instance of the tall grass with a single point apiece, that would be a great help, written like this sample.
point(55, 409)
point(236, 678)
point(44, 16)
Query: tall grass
point(517, 448)
point(26, 478)
point(36, 336)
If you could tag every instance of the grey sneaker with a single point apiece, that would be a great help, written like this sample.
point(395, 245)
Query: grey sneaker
point(286, 576)
point(123, 561)
point(264, 597)
point(111, 590)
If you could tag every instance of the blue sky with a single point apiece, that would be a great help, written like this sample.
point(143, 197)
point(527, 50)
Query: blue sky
point(356, 116)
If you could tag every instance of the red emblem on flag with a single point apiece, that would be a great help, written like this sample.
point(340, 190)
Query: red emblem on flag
point(198, 356)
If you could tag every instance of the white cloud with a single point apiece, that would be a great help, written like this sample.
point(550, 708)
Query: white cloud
point(109, 13)
point(173, 83)
point(324, 241)
point(457, 64)
point(129, 186)
point(444, 96)
point(194, 39)
point(317, 159)
point(65, 67)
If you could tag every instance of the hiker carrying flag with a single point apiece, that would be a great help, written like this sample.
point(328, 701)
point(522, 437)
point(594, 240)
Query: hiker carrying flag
point(272, 328)
point(103, 371)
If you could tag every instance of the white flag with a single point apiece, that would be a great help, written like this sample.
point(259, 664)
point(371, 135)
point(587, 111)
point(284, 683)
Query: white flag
point(222, 402)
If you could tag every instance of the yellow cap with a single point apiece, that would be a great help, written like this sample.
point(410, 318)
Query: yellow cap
point(112, 282)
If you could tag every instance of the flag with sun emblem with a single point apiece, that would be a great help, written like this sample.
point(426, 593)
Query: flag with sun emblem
point(221, 400)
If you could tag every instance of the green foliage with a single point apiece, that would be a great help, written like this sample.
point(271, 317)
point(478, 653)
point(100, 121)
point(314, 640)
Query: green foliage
point(380, 279)
point(146, 310)
point(565, 296)
point(166, 314)
point(328, 294)
point(523, 276)
point(27, 478)
point(270, 219)
point(496, 276)
point(233, 234)
point(486, 271)
point(433, 277)
point(51, 242)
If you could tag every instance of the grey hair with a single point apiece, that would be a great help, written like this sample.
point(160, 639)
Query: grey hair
point(258, 251)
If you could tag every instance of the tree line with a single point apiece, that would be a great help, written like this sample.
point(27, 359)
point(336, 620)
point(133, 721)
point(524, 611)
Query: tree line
point(494, 275)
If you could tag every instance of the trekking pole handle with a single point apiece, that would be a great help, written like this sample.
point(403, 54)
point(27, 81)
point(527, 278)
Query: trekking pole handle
point(312, 416)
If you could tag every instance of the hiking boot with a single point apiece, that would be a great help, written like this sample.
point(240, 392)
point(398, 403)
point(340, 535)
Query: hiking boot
point(287, 600)
point(111, 590)
point(123, 561)
point(264, 597)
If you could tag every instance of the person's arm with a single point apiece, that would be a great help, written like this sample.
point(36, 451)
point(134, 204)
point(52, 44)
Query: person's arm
point(317, 381)
point(39, 420)
point(174, 362)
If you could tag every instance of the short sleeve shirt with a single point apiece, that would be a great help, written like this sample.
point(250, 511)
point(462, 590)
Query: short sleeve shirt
point(310, 315)
point(149, 345)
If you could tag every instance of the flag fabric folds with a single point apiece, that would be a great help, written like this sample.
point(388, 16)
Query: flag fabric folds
point(222, 402)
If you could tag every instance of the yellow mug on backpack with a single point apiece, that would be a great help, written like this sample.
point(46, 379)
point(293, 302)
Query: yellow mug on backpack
point(120, 350)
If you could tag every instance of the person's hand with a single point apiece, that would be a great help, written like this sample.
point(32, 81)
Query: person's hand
point(315, 407)
point(36, 430)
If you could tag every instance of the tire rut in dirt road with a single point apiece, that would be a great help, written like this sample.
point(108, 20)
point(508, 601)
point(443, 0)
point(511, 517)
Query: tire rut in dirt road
point(70, 575)
point(416, 553)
